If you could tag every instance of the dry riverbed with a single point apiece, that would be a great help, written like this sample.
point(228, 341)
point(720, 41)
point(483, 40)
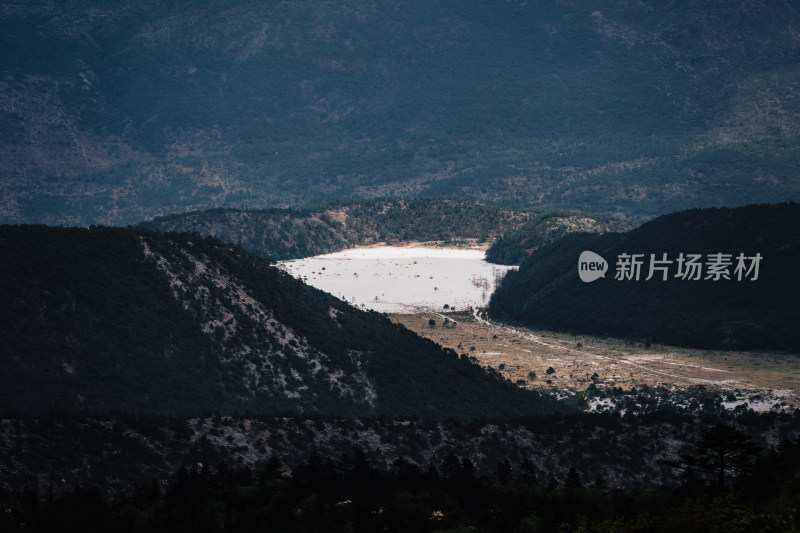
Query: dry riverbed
point(763, 380)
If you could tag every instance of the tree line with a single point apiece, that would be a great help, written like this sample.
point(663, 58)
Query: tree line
point(744, 492)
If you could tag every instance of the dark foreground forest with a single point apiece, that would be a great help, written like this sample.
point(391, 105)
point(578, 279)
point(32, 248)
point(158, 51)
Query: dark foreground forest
point(724, 488)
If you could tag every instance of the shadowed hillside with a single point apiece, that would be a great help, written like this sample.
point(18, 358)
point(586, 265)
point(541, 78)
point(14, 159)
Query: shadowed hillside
point(699, 306)
point(164, 323)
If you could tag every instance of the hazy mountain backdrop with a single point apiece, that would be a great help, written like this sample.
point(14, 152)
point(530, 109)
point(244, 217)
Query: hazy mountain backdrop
point(112, 112)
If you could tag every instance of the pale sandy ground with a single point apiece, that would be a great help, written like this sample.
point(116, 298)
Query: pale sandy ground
point(402, 278)
point(774, 377)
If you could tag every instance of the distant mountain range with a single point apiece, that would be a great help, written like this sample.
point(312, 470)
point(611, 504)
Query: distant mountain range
point(118, 112)
point(124, 319)
point(709, 278)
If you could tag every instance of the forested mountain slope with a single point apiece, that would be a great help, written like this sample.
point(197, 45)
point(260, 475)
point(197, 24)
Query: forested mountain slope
point(546, 227)
point(114, 112)
point(124, 319)
point(292, 233)
point(709, 301)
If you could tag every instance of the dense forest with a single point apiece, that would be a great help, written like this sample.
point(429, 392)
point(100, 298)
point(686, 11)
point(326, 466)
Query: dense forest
point(121, 318)
point(733, 308)
point(170, 377)
point(148, 344)
point(302, 232)
point(547, 227)
point(728, 483)
point(113, 113)
point(119, 451)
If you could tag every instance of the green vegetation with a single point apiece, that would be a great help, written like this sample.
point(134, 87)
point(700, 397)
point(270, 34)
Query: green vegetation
point(114, 114)
point(126, 319)
point(291, 233)
point(349, 493)
point(546, 228)
point(547, 292)
point(123, 450)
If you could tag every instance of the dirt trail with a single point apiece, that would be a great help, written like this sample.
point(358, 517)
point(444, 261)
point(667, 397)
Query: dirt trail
point(577, 361)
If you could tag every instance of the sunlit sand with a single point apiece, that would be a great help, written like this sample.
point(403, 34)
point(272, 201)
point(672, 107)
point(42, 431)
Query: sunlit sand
point(400, 279)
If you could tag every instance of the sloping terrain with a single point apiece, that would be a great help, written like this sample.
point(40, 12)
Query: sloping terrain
point(545, 228)
point(599, 473)
point(125, 450)
point(124, 319)
point(708, 278)
point(293, 233)
point(118, 112)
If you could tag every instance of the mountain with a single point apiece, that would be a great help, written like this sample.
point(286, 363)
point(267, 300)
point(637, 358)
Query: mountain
point(577, 473)
point(125, 319)
point(119, 451)
point(291, 233)
point(515, 245)
point(115, 112)
point(715, 304)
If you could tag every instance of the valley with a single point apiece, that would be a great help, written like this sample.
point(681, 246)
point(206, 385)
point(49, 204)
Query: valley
point(438, 267)
point(192, 370)
point(758, 380)
point(431, 289)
